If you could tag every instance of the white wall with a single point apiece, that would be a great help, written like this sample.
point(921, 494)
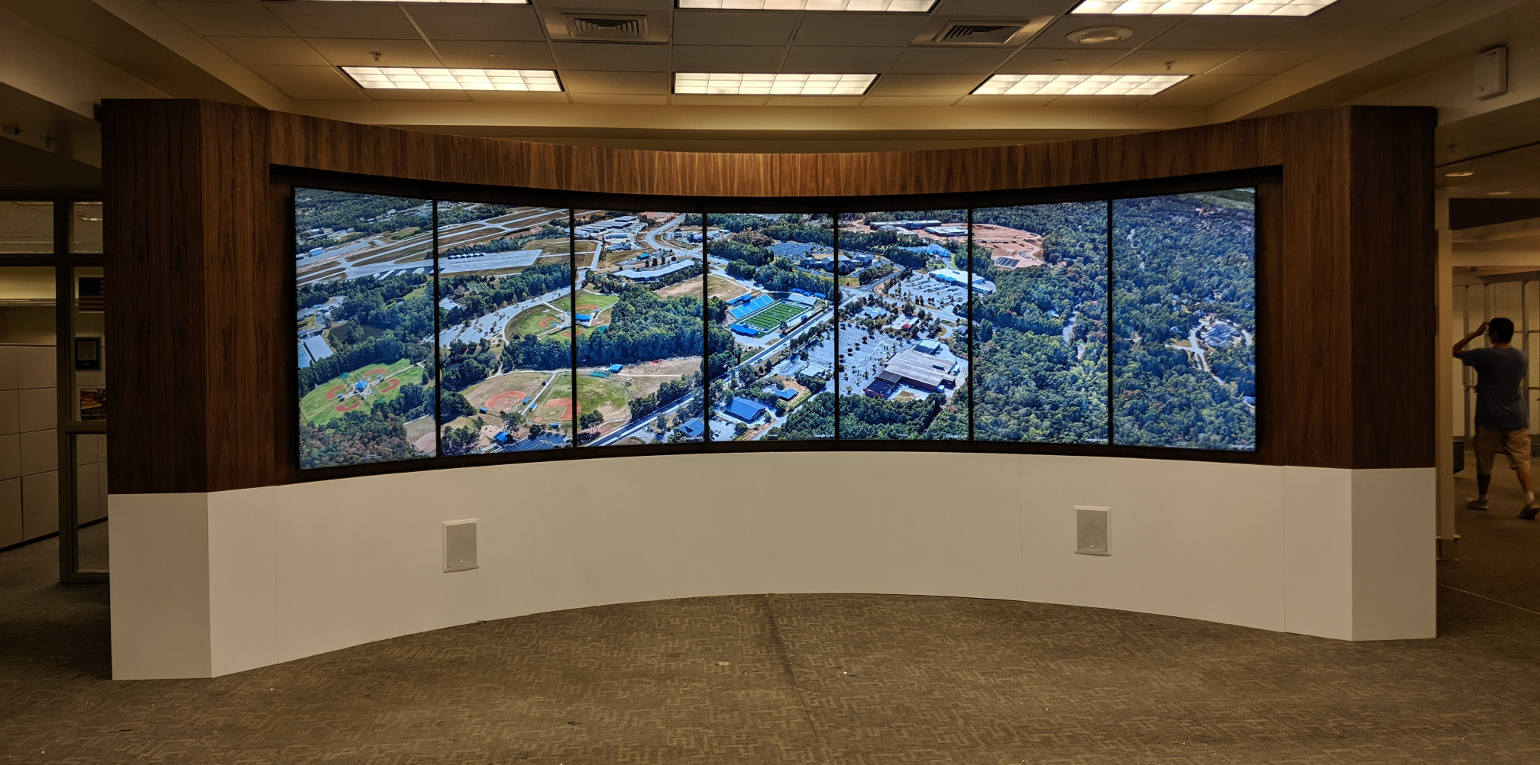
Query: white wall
point(267, 575)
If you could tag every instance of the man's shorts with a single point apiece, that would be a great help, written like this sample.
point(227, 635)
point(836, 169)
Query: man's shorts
point(1490, 441)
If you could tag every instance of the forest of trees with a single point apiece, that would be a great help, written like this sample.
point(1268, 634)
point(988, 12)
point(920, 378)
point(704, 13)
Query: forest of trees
point(1179, 259)
point(1029, 382)
point(338, 210)
point(478, 295)
point(779, 275)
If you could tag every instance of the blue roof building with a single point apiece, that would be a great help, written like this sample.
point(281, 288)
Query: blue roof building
point(360, 386)
point(693, 429)
point(616, 367)
point(746, 409)
point(786, 394)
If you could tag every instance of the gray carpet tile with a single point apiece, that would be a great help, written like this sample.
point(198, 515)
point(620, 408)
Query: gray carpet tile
point(865, 679)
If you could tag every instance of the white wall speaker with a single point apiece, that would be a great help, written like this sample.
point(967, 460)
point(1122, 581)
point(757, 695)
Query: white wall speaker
point(460, 545)
point(1092, 530)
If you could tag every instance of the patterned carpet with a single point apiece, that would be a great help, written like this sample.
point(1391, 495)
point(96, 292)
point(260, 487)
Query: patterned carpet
point(807, 679)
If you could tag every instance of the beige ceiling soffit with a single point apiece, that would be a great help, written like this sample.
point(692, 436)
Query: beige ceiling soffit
point(49, 127)
point(1448, 87)
point(1528, 228)
point(40, 64)
point(1395, 38)
point(759, 119)
point(162, 28)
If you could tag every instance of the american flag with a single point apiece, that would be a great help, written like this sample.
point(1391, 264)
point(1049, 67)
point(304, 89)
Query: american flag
point(91, 296)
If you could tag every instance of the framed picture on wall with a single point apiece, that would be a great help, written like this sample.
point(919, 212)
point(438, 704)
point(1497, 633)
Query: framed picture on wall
point(93, 404)
point(88, 353)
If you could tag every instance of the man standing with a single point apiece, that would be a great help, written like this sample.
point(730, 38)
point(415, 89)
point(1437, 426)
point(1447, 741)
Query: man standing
point(1502, 411)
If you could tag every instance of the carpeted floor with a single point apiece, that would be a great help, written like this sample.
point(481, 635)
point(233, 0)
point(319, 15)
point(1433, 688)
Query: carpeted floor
point(809, 679)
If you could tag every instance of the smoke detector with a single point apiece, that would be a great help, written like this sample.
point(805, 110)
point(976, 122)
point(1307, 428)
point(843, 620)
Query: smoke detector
point(1099, 35)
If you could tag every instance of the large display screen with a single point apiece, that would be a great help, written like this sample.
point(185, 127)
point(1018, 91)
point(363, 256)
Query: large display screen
point(771, 298)
point(1040, 317)
point(903, 325)
point(1184, 317)
point(505, 336)
point(640, 322)
point(364, 293)
point(1129, 322)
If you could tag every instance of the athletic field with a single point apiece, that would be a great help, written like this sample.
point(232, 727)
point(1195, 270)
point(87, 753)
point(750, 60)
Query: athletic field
point(775, 315)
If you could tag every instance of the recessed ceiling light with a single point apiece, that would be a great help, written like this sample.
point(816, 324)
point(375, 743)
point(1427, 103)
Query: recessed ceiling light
point(1203, 7)
point(1499, 193)
point(869, 6)
point(1459, 173)
point(1099, 35)
point(733, 84)
point(1077, 84)
point(436, 78)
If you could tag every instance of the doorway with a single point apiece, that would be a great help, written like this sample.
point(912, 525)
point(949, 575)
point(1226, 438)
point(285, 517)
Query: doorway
point(53, 427)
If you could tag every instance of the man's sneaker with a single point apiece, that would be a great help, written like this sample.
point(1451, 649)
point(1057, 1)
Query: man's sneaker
point(1476, 503)
point(1529, 511)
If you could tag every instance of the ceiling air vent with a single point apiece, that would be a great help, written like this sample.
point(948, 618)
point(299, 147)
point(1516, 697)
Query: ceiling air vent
point(615, 28)
point(975, 33)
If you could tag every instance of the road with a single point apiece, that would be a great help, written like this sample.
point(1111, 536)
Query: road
point(492, 324)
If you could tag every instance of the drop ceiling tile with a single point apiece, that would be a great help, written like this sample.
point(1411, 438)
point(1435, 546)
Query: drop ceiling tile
point(418, 95)
point(269, 51)
point(495, 54)
point(1003, 9)
point(1204, 90)
point(809, 58)
point(1061, 61)
point(1265, 62)
point(955, 85)
point(616, 98)
point(506, 97)
point(728, 58)
point(861, 28)
point(909, 100)
point(1145, 28)
point(476, 22)
point(640, 83)
point(1223, 33)
point(1374, 9)
point(949, 60)
point(311, 83)
point(348, 52)
point(814, 101)
point(1315, 33)
point(746, 28)
point(611, 5)
point(699, 100)
point(376, 20)
point(1147, 61)
point(1005, 100)
point(228, 19)
point(612, 57)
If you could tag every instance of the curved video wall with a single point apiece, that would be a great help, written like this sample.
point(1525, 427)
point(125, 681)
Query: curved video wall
point(435, 328)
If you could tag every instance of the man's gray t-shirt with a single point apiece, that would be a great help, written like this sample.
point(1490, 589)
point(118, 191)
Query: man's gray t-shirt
point(1500, 400)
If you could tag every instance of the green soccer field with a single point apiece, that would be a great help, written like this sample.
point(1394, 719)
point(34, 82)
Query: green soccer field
point(771, 317)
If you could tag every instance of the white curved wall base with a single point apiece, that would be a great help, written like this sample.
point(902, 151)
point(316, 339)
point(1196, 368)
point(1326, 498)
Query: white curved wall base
point(208, 584)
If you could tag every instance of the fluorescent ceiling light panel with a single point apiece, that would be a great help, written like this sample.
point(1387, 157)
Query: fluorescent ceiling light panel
point(868, 6)
point(434, 78)
point(728, 84)
point(1203, 7)
point(1077, 84)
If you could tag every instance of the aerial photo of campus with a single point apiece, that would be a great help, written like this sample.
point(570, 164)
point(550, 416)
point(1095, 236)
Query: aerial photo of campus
point(364, 292)
point(649, 307)
point(1184, 308)
point(1039, 353)
point(640, 321)
point(505, 334)
point(771, 285)
point(904, 325)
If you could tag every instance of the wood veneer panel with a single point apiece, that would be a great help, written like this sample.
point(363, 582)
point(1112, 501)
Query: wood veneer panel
point(1393, 290)
point(154, 251)
point(1345, 235)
